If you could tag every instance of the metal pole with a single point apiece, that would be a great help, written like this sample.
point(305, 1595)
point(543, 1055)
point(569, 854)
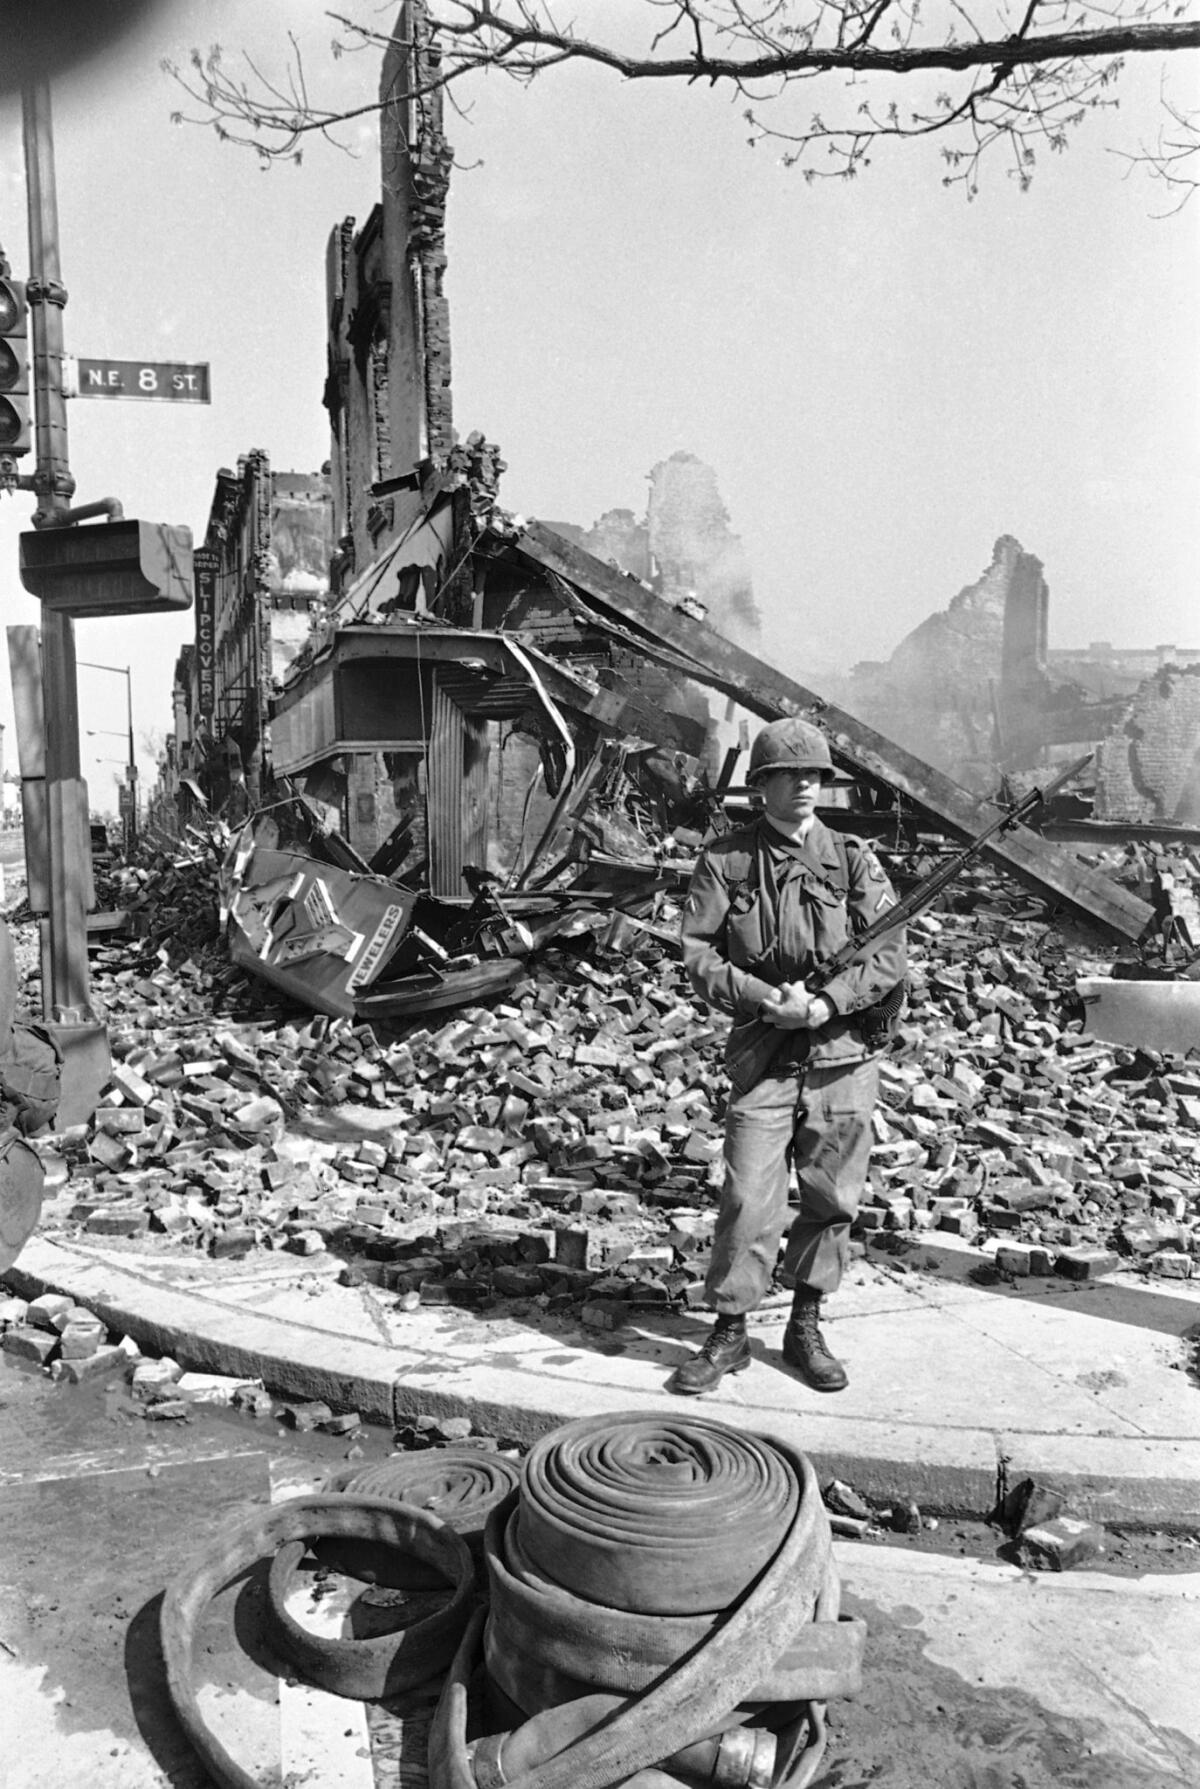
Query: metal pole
point(66, 989)
point(47, 297)
point(133, 786)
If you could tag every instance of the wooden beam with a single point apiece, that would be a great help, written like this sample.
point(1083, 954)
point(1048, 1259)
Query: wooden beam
point(1051, 871)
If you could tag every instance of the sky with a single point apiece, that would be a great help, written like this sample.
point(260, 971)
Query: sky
point(884, 377)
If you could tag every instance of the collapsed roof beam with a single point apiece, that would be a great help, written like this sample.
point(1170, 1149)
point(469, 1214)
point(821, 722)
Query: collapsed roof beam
point(1051, 871)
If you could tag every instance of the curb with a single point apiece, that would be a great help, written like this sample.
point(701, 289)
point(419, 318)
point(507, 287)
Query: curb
point(955, 1472)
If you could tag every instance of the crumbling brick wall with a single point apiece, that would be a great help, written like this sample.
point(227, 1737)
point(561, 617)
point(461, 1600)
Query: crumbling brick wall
point(1149, 770)
point(937, 694)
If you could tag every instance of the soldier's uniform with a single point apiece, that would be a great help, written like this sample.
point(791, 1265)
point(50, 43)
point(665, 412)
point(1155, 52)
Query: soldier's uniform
point(763, 910)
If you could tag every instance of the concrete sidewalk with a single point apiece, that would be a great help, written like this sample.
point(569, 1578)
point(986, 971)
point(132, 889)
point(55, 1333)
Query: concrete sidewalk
point(954, 1389)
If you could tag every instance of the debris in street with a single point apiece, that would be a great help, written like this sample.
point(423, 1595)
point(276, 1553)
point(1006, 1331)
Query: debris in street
point(1060, 1543)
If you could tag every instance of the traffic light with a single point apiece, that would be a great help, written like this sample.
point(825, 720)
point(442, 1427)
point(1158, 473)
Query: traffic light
point(16, 396)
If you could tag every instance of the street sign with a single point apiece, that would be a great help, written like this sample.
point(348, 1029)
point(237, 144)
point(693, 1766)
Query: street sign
point(109, 568)
point(169, 381)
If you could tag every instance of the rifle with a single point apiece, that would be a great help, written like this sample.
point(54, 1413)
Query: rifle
point(762, 1039)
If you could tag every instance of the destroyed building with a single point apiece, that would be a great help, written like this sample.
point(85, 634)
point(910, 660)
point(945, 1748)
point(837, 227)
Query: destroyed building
point(261, 576)
point(475, 720)
point(683, 547)
point(975, 688)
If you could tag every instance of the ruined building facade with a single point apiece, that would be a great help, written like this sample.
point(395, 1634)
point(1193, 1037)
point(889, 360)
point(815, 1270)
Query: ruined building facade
point(388, 385)
point(262, 575)
point(975, 690)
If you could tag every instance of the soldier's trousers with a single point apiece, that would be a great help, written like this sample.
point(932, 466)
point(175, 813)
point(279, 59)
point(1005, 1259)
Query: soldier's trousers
point(817, 1120)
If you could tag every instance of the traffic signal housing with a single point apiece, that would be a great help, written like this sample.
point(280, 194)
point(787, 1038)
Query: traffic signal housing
point(16, 393)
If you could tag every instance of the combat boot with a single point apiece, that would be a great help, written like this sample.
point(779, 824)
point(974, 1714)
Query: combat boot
point(804, 1347)
point(726, 1350)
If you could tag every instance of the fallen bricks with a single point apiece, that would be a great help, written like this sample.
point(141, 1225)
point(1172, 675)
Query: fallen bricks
point(562, 1148)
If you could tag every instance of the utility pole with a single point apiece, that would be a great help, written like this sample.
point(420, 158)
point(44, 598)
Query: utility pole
point(66, 987)
point(123, 567)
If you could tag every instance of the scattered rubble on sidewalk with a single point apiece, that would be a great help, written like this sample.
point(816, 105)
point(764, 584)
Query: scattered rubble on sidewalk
point(559, 1150)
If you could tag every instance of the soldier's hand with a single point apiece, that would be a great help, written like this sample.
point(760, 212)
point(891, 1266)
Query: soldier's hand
point(793, 1008)
point(788, 1007)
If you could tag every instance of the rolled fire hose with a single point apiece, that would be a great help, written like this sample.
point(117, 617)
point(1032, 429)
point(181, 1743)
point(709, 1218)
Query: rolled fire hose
point(420, 1650)
point(652, 1498)
point(462, 1485)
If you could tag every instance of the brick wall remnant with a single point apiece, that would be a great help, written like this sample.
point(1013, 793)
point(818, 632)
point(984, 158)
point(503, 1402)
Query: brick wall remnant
point(1149, 769)
point(683, 547)
point(937, 694)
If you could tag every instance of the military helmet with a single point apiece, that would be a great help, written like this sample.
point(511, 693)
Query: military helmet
point(790, 745)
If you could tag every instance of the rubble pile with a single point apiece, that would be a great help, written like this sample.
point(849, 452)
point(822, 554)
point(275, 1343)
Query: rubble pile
point(1166, 875)
point(563, 1147)
point(1001, 1120)
point(168, 890)
point(538, 1147)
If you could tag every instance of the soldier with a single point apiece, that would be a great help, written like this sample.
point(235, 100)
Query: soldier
point(768, 902)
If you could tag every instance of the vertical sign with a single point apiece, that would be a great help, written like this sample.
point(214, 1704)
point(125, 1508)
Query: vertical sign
point(206, 605)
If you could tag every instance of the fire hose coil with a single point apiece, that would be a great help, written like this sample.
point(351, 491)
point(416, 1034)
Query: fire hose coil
point(649, 1515)
point(399, 1660)
point(628, 1532)
point(461, 1485)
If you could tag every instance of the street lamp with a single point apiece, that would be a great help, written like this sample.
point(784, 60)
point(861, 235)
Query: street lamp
point(125, 672)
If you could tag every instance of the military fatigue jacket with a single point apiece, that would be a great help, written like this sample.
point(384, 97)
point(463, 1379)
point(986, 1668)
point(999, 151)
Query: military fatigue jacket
point(762, 910)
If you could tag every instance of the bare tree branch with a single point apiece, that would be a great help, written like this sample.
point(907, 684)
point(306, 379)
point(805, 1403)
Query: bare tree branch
point(1022, 79)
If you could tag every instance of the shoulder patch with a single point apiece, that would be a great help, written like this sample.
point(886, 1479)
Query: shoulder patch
point(875, 870)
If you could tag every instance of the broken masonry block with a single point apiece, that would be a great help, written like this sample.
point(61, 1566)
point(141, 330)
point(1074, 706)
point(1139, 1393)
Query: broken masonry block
point(133, 1086)
point(451, 1428)
point(94, 1366)
point(111, 1152)
point(578, 1248)
point(79, 1341)
point(517, 1282)
point(905, 1518)
point(30, 1344)
point(347, 1424)
point(1084, 1263)
point(452, 1292)
point(845, 1500)
point(1029, 1505)
point(43, 1310)
point(13, 1311)
point(1173, 1264)
point(120, 1121)
point(117, 1221)
point(1059, 1544)
point(168, 1410)
point(150, 1378)
point(602, 1314)
point(231, 1245)
point(306, 1242)
point(254, 1400)
point(305, 1417)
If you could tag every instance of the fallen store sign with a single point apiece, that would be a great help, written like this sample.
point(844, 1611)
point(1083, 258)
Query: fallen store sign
point(356, 945)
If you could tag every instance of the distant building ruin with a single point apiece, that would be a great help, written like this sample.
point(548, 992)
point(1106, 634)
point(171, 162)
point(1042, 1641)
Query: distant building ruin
point(683, 547)
point(976, 691)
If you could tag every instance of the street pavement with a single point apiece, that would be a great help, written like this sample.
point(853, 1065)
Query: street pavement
point(956, 1391)
point(978, 1674)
